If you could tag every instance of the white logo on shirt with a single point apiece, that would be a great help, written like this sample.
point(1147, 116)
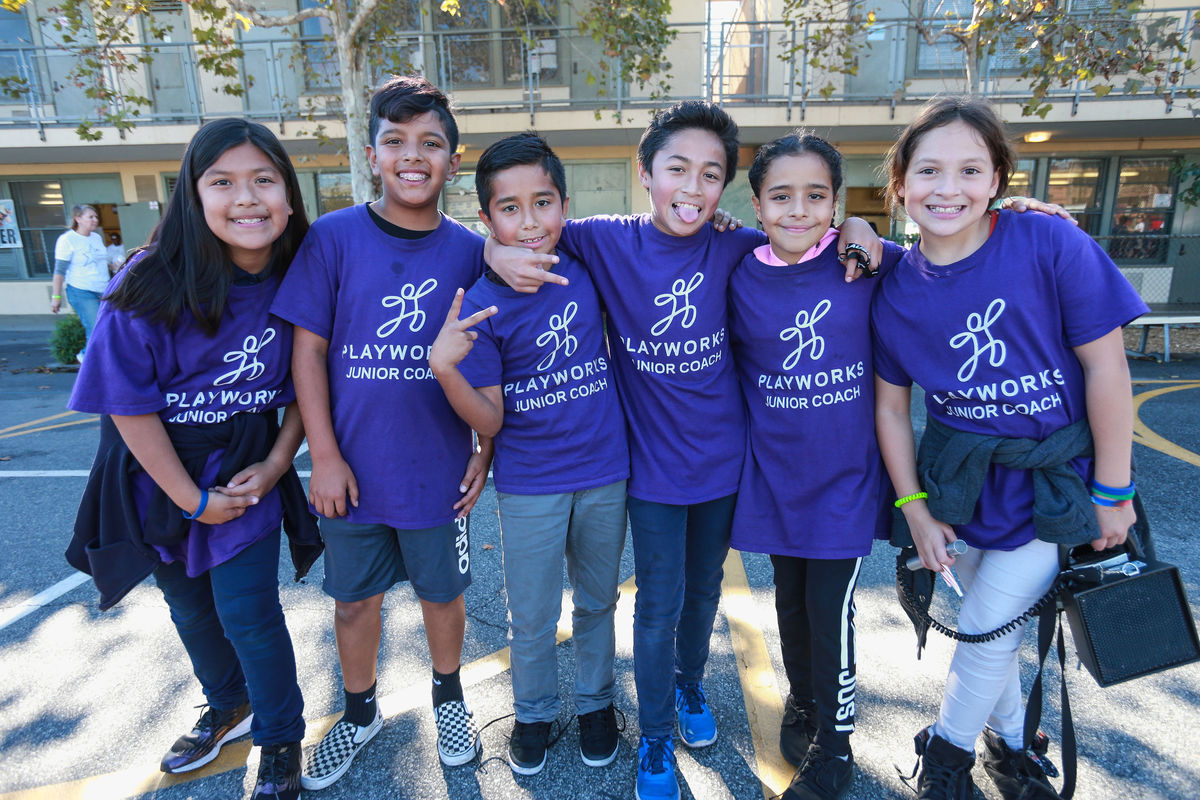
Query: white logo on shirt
point(679, 292)
point(558, 337)
point(409, 294)
point(246, 358)
point(995, 348)
point(805, 334)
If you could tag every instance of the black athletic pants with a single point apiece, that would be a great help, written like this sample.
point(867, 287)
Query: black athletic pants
point(814, 599)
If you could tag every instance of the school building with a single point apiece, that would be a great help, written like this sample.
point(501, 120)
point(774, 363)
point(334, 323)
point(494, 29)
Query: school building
point(1111, 160)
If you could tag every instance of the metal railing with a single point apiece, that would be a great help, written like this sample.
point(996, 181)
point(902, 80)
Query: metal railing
point(496, 70)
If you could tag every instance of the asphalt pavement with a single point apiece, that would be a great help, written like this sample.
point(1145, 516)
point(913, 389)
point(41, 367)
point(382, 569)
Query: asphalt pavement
point(90, 701)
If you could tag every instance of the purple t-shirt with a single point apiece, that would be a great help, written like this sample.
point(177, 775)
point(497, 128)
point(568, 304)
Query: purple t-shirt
point(187, 377)
point(667, 314)
point(563, 427)
point(813, 484)
point(990, 340)
point(380, 301)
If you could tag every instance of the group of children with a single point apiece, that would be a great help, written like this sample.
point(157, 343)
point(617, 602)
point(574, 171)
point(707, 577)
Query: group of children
point(709, 386)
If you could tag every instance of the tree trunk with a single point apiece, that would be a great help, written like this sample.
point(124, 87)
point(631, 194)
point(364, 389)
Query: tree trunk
point(352, 61)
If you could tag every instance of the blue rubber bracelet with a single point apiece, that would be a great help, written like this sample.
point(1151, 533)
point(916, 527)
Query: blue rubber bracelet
point(200, 510)
point(1124, 491)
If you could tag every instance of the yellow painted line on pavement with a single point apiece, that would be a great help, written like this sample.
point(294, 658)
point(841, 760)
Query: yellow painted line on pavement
point(1143, 435)
point(37, 421)
point(51, 427)
point(764, 705)
point(143, 779)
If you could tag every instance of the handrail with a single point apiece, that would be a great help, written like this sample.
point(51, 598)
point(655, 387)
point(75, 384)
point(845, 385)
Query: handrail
point(492, 69)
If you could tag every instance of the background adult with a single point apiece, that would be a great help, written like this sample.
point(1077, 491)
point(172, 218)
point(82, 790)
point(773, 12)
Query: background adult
point(81, 262)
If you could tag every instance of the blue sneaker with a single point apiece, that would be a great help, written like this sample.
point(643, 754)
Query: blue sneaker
point(656, 770)
point(697, 727)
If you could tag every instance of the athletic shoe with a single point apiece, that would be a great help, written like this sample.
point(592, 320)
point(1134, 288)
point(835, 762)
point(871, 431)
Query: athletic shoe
point(527, 747)
point(458, 740)
point(598, 736)
point(333, 755)
point(822, 776)
point(278, 773)
point(201, 745)
point(656, 770)
point(798, 730)
point(1022, 774)
point(945, 769)
point(697, 728)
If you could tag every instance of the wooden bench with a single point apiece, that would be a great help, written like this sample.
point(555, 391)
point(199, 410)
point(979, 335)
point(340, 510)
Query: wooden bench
point(1178, 315)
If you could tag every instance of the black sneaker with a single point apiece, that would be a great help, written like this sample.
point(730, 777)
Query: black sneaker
point(1019, 775)
point(527, 747)
point(598, 736)
point(798, 730)
point(822, 776)
point(945, 769)
point(278, 773)
point(203, 742)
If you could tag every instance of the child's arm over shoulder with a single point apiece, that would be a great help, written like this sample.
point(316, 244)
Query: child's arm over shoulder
point(147, 439)
point(482, 408)
point(332, 480)
point(857, 231)
point(522, 269)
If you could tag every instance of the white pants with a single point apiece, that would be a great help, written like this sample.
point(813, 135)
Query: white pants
point(984, 685)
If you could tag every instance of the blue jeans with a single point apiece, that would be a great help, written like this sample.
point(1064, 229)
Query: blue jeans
point(537, 532)
point(86, 304)
point(231, 624)
point(679, 555)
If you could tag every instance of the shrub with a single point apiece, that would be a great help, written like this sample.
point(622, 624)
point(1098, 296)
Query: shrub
point(68, 339)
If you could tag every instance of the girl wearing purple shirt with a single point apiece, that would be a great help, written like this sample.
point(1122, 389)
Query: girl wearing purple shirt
point(802, 353)
point(1012, 326)
point(192, 369)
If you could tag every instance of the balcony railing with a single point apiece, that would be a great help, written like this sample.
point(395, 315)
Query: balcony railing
point(495, 70)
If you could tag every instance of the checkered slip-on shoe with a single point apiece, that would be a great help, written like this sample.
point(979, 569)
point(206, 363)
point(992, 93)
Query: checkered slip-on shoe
point(458, 739)
point(333, 755)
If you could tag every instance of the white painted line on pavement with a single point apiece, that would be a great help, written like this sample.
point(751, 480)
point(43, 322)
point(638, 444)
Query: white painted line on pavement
point(42, 598)
point(43, 473)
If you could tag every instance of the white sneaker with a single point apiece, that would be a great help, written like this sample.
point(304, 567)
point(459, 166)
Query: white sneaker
point(458, 740)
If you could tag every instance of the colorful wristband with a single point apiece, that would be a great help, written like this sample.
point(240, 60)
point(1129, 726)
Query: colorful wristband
point(56, 297)
point(1110, 503)
point(911, 497)
point(200, 509)
point(1113, 493)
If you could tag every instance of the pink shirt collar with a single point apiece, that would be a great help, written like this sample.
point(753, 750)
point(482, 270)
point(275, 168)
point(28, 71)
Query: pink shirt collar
point(766, 255)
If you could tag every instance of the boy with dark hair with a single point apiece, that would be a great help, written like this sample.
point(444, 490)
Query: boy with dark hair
point(536, 376)
point(662, 278)
point(365, 293)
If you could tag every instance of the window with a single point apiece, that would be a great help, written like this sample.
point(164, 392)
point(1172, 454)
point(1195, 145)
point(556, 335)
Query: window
point(41, 218)
point(1075, 184)
point(461, 202)
point(333, 191)
point(1143, 211)
point(1020, 183)
point(482, 48)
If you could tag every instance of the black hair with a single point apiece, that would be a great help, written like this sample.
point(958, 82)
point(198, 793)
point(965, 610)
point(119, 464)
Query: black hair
point(403, 97)
point(978, 114)
point(796, 143)
point(518, 150)
point(185, 266)
point(685, 115)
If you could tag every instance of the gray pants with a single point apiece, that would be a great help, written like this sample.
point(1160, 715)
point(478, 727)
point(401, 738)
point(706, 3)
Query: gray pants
point(536, 532)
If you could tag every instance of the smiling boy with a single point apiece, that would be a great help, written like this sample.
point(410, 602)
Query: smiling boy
point(536, 375)
point(366, 292)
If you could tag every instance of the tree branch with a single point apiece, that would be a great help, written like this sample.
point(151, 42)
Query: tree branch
point(366, 9)
point(257, 18)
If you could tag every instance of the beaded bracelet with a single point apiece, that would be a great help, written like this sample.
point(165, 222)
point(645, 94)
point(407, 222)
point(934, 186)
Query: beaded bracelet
point(911, 497)
point(200, 509)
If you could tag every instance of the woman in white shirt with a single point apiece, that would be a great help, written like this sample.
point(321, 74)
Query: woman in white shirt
point(81, 261)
